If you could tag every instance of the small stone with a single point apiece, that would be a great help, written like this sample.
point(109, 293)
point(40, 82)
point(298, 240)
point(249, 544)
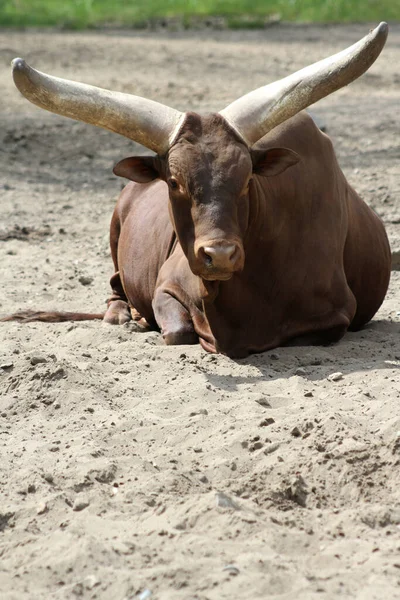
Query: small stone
point(271, 448)
point(300, 371)
point(274, 356)
point(85, 280)
point(7, 365)
point(181, 526)
point(36, 359)
point(31, 488)
point(297, 491)
point(91, 581)
point(145, 595)
point(56, 404)
point(42, 508)
point(335, 376)
point(80, 504)
point(48, 477)
point(308, 394)
point(232, 569)
point(224, 501)
point(295, 432)
point(198, 450)
point(263, 402)
point(256, 446)
point(78, 589)
point(203, 479)
point(266, 422)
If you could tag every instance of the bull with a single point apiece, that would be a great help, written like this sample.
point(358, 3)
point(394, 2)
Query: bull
point(241, 233)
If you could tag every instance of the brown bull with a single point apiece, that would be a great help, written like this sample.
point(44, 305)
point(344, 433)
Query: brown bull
point(242, 232)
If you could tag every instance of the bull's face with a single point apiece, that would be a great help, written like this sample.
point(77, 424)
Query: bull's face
point(208, 170)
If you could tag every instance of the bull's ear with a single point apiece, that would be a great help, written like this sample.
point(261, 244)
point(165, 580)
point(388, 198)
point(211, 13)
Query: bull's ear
point(141, 169)
point(273, 161)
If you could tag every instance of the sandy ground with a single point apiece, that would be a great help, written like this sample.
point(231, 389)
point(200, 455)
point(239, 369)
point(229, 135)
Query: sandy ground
point(133, 470)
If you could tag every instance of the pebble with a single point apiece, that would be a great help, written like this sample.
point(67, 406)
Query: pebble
point(271, 448)
point(145, 595)
point(224, 501)
point(232, 569)
point(264, 402)
point(91, 581)
point(57, 404)
point(335, 376)
point(7, 365)
point(300, 371)
point(256, 446)
point(297, 491)
point(42, 508)
point(80, 504)
point(308, 394)
point(48, 477)
point(85, 280)
point(36, 359)
point(295, 432)
point(266, 422)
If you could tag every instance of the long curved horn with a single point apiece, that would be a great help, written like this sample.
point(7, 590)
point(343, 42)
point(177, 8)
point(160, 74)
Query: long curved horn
point(256, 113)
point(149, 123)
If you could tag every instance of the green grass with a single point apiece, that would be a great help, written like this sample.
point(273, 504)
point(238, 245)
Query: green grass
point(248, 13)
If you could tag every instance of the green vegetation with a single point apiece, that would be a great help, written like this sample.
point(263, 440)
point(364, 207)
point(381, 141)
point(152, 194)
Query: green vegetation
point(235, 13)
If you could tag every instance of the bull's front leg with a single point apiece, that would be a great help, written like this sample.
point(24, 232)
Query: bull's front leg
point(118, 311)
point(173, 318)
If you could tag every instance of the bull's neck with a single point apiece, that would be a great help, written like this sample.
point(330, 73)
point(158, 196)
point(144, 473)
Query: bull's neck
point(265, 214)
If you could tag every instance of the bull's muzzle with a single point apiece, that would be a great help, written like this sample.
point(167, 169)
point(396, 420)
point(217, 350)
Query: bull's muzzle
point(218, 261)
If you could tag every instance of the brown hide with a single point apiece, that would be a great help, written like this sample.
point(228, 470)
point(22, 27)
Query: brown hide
point(316, 259)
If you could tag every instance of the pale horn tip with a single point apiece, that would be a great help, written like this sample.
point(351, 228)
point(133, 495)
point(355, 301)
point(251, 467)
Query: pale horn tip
point(18, 64)
point(382, 29)
point(19, 71)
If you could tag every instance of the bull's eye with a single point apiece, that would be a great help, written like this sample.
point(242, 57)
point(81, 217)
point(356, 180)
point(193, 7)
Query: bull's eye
point(173, 184)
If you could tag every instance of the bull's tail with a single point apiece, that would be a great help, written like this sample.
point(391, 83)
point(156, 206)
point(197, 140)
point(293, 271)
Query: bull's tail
point(28, 316)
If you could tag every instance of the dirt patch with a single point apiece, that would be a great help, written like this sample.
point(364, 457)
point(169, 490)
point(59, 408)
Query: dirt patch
point(130, 466)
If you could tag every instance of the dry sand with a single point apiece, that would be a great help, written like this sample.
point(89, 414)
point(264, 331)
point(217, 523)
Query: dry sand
point(129, 466)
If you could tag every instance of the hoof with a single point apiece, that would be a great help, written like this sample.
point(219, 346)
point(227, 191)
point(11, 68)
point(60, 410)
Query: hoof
point(176, 338)
point(117, 313)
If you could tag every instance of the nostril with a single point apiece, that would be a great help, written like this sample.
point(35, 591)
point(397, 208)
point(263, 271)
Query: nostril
point(206, 256)
point(233, 254)
point(219, 257)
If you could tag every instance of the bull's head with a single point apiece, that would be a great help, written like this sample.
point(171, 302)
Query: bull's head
point(207, 162)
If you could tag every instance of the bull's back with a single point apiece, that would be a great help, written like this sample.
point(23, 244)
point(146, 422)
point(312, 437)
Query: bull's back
point(345, 221)
point(367, 259)
point(144, 239)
